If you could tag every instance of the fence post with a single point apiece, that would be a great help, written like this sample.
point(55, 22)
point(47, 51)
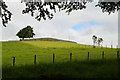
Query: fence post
point(70, 56)
point(103, 55)
point(34, 59)
point(53, 58)
point(13, 61)
point(118, 55)
point(88, 55)
point(111, 46)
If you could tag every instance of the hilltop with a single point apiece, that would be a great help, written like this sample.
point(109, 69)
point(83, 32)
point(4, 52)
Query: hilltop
point(48, 39)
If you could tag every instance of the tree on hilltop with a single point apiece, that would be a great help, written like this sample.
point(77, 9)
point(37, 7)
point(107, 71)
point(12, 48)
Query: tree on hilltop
point(100, 40)
point(97, 41)
point(94, 38)
point(26, 32)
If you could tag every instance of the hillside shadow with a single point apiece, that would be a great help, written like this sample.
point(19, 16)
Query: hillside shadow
point(74, 70)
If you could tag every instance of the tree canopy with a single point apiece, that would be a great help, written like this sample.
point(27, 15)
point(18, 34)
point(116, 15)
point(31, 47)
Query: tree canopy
point(96, 40)
point(5, 14)
point(100, 40)
point(44, 12)
point(26, 32)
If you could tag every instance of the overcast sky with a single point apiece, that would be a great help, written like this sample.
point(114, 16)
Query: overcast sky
point(79, 26)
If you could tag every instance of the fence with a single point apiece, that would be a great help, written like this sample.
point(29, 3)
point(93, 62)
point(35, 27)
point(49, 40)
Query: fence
point(70, 58)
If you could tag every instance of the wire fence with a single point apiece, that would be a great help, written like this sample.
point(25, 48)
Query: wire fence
point(54, 58)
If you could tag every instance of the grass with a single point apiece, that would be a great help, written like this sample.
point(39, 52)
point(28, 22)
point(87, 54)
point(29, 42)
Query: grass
point(74, 70)
point(80, 67)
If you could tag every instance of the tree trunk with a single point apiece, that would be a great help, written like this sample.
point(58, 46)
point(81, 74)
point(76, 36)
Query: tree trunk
point(22, 39)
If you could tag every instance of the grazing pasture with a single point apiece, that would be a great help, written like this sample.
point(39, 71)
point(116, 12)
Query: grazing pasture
point(98, 65)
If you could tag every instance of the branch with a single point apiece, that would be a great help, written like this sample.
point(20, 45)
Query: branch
point(5, 14)
point(109, 6)
point(44, 8)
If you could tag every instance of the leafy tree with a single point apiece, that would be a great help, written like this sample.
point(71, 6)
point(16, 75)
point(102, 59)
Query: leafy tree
point(26, 32)
point(94, 38)
point(100, 40)
point(44, 12)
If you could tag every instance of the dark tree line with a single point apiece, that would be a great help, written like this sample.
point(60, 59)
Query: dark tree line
point(44, 13)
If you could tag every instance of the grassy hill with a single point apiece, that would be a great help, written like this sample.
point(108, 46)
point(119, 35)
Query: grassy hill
point(44, 49)
point(47, 39)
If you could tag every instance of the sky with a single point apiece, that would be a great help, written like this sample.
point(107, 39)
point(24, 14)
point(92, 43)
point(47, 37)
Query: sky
point(79, 26)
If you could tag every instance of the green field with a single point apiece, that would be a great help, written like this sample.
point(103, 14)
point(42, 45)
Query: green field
point(79, 67)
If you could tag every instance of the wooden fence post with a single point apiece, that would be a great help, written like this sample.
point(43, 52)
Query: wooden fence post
point(13, 61)
point(88, 55)
point(111, 46)
point(103, 55)
point(34, 59)
point(53, 58)
point(70, 56)
point(118, 55)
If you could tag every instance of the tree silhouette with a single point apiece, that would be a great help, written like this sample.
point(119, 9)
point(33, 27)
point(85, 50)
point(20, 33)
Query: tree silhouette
point(109, 6)
point(44, 12)
point(5, 14)
point(26, 32)
point(94, 38)
point(100, 40)
point(68, 6)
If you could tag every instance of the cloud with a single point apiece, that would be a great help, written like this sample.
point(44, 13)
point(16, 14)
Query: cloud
point(84, 25)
